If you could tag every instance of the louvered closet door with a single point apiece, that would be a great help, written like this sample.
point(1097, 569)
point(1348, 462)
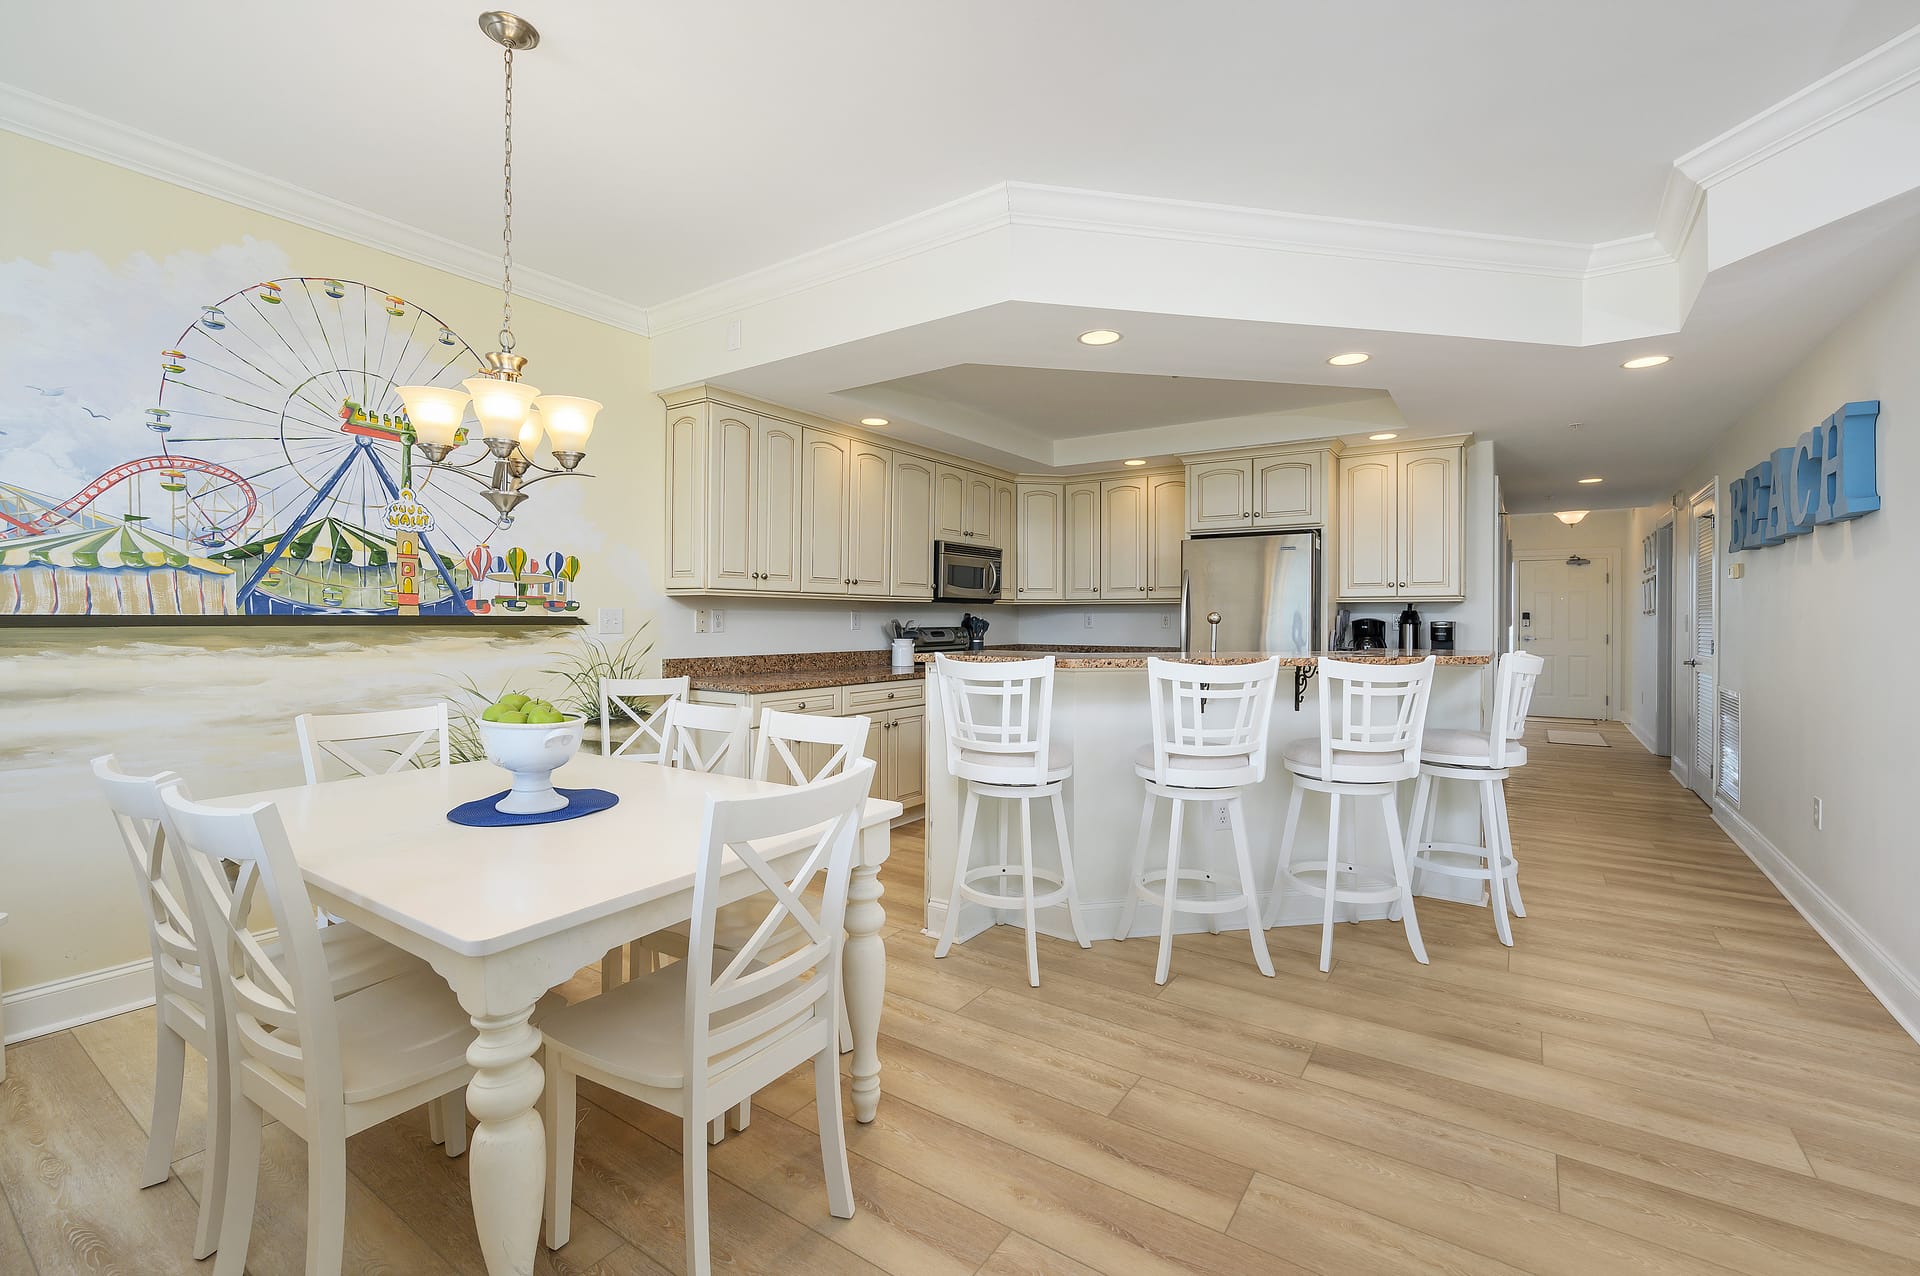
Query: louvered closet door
point(1700, 655)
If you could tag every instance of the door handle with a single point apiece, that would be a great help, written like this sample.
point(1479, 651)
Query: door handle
point(1690, 663)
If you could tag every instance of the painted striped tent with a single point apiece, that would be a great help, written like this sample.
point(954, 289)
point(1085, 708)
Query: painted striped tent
point(329, 540)
point(122, 570)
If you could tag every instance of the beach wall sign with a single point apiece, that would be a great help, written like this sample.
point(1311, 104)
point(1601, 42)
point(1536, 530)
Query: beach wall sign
point(1828, 476)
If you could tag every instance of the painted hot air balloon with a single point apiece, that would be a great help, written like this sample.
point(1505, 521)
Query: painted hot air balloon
point(554, 562)
point(517, 561)
point(570, 569)
point(479, 561)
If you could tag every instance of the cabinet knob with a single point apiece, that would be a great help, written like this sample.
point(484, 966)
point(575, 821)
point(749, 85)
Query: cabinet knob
point(890, 695)
point(1143, 589)
point(802, 704)
point(1246, 513)
point(1403, 584)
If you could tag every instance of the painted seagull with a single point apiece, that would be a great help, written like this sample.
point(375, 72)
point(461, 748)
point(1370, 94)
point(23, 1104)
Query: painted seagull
point(98, 416)
point(51, 394)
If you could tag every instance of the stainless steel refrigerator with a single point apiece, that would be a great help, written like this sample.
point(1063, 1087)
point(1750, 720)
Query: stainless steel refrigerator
point(1264, 586)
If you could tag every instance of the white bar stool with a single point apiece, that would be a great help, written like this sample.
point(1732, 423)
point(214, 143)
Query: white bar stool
point(1484, 760)
point(1369, 741)
point(999, 714)
point(1209, 741)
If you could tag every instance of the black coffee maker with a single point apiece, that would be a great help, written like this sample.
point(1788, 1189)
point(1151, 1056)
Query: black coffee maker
point(1369, 633)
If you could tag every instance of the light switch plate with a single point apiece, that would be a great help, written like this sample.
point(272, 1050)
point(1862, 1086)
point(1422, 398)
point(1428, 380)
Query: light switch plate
point(719, 621)
point(612, 620)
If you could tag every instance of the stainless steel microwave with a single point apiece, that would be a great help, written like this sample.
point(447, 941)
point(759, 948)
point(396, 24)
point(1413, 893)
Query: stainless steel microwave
point(966, 573)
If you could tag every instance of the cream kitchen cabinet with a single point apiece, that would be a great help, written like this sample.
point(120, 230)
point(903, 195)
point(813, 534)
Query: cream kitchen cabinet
point(896, 731)
point(1401, 524)
point(913, 480)
point(846, 520)
point(777, 469)
point(734, 496)
point(1166, 532)
point(964, 502)
point(1080, 555)
point(1265, 490)
point(1123, 539)
point(1038, 561)
point(1005, 531)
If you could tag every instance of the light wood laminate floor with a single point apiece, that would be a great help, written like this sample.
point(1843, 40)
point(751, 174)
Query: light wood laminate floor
point(1670, 1072)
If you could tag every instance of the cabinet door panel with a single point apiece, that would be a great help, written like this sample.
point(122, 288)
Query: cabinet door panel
point(823, 549)
point(1082, 551)
point(907, 751)
point(979, 508)
point(950, 504)
point(777, 464)
point(1221, 494)
point(912, 526)
point(686, 499)
point(730, 511)
point(1286, 491)
point(869, 485)
point(1166, 532)
point(1123, 540)
point(877, 753)
point(1368, 535)
point(1005, 531)
point(1042, 530)
point(1430, 523)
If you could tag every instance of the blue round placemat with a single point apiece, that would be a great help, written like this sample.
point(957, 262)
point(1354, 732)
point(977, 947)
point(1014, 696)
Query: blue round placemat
point(480, 813)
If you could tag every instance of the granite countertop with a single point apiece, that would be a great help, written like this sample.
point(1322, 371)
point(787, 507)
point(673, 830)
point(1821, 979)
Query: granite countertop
point(809, 671)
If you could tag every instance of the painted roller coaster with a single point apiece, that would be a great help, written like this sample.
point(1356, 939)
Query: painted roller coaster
point(230, 527)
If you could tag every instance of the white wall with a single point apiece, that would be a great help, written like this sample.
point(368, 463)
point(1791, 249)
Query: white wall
point(1814, 638)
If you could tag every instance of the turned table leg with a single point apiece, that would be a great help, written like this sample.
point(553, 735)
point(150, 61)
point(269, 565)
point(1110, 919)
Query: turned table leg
point(864, 966)
point(507, 1159)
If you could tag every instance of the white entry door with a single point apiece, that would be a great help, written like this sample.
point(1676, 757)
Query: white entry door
point(1697, 748)
point(1566, 619)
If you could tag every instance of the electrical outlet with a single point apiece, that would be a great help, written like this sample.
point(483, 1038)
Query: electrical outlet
point(700, 620)
point(1086, 620)
point(719, 625)
point(1222, 816)
point(1819, 814)
point(612, 620)
point(853, 620)
point(1166, 621)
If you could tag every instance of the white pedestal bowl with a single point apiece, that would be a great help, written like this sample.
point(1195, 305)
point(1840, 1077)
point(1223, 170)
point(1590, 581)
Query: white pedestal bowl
point(532, 752)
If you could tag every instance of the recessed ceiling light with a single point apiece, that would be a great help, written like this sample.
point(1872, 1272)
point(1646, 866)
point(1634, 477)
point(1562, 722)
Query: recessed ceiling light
point(1570, 517)
point(1382, 437)
point(1099, 337)
point(1349, 359)
point(1593, 480)
point(1647, 361)
point(873, 420)
point(1135, 462)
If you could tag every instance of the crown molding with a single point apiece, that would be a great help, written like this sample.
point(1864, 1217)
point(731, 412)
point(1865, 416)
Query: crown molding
point(949, 223)
point(96, 137)
point(1871, 78)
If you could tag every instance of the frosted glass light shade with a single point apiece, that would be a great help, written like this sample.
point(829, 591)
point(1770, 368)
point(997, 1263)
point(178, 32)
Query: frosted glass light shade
point(1570, 517)
point(530, 434)
point(569, 420)
point(435, 411)
point(502, 406)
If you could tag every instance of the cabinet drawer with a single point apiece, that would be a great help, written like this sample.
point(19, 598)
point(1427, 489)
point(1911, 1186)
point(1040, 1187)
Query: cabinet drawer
point(817, 700)
point(882, 695)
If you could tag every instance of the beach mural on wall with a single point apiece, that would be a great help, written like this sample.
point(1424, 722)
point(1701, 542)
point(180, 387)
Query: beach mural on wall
point(214, 434)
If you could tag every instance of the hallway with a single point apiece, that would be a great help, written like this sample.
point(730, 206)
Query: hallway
point(1670, 1072)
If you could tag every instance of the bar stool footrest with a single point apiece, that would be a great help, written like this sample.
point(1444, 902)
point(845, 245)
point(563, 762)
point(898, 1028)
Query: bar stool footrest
point(1012, 874)
point(1233, 903)
point(1353, 888)
point(1423, 859)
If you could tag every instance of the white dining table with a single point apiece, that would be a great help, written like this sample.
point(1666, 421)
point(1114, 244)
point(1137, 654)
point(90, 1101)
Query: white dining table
point(505, 914)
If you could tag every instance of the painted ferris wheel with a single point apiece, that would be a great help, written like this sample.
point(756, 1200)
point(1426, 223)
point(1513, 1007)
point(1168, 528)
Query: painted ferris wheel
point(288, 388)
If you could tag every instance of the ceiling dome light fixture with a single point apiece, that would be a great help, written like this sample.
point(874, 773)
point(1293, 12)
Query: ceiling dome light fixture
point(875, 421)
point(1592, 480)
point(1647, 361)
point(1350, 358)
point(1099, 337)
point(1382, 437)
point(1133, 462)
point(1570, 517)
point(505, 405)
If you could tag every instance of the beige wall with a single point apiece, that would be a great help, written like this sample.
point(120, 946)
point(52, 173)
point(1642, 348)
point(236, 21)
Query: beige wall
point(217, 705)
point(1608, 530)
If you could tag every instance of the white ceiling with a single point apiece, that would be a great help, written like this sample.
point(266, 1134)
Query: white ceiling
point(663, 147)
point(962, 163)
point(1062, 403)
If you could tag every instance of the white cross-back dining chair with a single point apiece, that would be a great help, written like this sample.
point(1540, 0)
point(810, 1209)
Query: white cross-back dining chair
point(698, 1037)
point(376, 743)
point(620, 705)
point(186, 1003)
point(793, 748)
point(707, 737)
point(324, 1069)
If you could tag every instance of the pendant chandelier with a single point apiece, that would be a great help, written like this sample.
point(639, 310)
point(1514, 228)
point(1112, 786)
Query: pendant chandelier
point(513, 415)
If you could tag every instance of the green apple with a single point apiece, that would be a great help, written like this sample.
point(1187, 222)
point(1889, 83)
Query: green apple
point(510, 715)
point(513, 700)
point(546, 715)
point(492, 713)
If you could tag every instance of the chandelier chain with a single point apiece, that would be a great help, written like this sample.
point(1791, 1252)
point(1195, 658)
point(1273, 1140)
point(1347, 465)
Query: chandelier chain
point(506, 225)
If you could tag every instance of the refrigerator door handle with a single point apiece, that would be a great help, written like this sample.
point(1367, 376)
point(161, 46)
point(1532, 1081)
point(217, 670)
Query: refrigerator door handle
point(1186, 599)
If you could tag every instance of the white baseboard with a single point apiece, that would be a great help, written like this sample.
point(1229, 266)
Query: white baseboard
point(1897, 988)
point(67, 1003)
point(1641, 736)
point(60, 1004)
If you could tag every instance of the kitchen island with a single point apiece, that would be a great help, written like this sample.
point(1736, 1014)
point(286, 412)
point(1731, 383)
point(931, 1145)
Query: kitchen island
point(1100, 711)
